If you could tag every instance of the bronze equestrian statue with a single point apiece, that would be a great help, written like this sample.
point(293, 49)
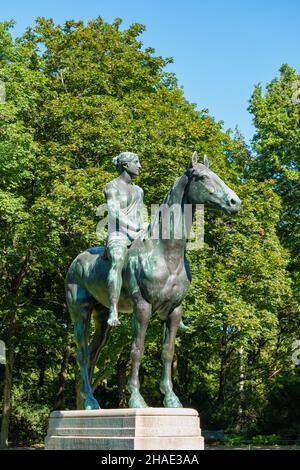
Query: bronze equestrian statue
point(155, 279)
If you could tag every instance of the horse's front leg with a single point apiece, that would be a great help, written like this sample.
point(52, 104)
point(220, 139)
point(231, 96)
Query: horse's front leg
point(141, 317)
point(166, 385)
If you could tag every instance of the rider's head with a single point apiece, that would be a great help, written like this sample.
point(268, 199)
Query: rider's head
point(127, 161)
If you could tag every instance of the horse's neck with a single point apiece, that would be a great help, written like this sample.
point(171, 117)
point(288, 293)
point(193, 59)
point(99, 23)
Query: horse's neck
point(179, 225)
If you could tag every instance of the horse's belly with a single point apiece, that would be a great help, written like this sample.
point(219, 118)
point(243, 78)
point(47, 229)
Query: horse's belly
point(166, 293)
point(100, 293)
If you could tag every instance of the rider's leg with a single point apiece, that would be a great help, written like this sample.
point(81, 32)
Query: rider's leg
point(117, 254)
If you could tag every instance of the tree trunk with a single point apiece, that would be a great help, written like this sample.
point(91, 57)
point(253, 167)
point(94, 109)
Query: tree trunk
point(223, 367)
point(122, 382)
point(6, 410)
point(42, 355)
point(222, 381)
point(10, 356)
point(241, 389)
point(60, 399)
point(79, 399)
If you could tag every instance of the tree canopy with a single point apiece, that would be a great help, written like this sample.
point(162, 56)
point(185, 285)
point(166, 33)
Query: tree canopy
point(76, 95)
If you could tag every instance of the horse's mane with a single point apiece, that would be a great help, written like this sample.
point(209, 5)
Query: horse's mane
point(169, 194)
point(168, 197)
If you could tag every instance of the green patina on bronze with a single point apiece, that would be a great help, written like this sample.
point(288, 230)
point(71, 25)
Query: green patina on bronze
point(148, 275)
point(125, 209)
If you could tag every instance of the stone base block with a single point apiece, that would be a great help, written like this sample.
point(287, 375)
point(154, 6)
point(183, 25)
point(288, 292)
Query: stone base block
point(125, 429)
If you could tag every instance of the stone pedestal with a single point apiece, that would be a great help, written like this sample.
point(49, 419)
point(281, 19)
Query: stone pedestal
point(125, 429)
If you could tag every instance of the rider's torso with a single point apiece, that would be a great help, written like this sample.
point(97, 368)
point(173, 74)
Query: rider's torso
point(130, 197)
point(130, 201)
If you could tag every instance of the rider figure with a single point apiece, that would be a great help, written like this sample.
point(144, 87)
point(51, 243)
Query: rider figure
point(125, 214)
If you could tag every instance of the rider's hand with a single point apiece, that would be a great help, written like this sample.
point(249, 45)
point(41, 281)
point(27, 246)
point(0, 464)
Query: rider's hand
point(143, 231)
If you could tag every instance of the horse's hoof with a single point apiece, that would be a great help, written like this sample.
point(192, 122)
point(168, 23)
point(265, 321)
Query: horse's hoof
point(113, 322)
point(91, 404)
point(172, 401)
point(137, 401)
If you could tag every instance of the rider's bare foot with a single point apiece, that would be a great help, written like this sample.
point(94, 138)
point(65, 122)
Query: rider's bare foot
point(113, 319)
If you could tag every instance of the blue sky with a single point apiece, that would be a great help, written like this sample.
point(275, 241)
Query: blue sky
point(220, 48)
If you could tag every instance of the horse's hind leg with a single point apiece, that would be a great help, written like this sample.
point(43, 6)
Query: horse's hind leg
point(100, 337)
point(166, 385)
point(80, 307)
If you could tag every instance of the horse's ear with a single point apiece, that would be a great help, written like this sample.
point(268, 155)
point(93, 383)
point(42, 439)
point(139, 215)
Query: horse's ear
point(205, 161)
point(194, 160)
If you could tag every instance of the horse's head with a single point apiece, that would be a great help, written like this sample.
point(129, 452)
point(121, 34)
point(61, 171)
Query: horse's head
point(205, 187)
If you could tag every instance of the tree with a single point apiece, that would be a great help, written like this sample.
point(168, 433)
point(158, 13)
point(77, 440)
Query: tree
point(90, 93)
point(78, 94)
point(277, 145)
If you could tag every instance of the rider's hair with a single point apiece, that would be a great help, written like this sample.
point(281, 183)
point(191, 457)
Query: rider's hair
point(122, 158)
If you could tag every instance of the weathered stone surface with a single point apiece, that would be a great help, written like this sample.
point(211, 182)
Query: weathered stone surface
point(125, 429)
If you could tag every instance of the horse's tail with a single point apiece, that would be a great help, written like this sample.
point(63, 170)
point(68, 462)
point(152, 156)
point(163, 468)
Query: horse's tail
point(182, 326)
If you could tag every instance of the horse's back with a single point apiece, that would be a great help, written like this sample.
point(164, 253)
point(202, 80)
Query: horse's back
point(96, 250)
point(87, 278)
point(83, 262)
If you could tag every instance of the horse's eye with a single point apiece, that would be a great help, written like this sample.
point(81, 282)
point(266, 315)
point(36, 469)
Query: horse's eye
point(202, 177)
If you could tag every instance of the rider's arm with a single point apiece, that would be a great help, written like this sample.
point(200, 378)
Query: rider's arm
point(114, 210)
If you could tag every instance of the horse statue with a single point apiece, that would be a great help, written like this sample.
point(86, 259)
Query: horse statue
point(156, 278)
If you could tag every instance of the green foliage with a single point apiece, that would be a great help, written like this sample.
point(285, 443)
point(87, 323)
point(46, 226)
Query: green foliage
point(78, 94)
point(233, 440)
point(30, 422)
point(277, 145)
point(240, 440)
point(272, 439)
